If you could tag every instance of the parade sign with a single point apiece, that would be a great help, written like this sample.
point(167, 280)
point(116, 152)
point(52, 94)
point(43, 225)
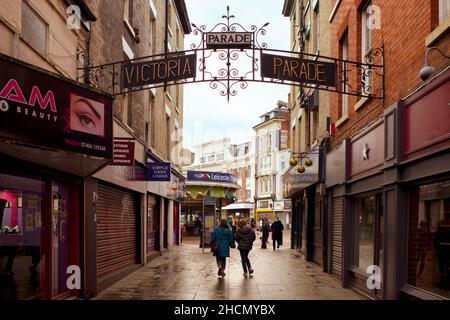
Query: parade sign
point(158, 171)
point(123, 152)
point(175, 67)
point(298, 70)
point(50, 111)
point(241, 40)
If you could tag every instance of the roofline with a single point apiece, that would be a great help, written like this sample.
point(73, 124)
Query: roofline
point(266, 122)
point(183, 14)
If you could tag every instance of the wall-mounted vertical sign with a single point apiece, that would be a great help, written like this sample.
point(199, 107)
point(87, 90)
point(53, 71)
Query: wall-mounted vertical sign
point(158, 171)
point(123, 152)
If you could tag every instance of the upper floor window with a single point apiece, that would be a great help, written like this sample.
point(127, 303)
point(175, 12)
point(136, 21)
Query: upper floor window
point(344, 97)
point(444, 10)
point(34, 29)
point(366, 45)
point(128, 11)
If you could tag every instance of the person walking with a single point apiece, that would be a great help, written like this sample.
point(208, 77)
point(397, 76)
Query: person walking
point(277, 233)
point(245, 236)
point(265, 233)
point(222, 236)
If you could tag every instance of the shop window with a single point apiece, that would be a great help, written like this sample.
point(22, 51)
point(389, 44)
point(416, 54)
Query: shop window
point(34, 29)
point(368, 232)
point(21, 209)
point(429, 238)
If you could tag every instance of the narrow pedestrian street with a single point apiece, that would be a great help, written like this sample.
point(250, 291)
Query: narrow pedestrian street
point(188, 274)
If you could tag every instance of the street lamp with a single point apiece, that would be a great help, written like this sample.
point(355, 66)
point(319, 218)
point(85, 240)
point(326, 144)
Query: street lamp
point(428, 70)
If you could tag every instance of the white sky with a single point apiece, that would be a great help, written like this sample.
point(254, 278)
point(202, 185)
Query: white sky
point(208, 115)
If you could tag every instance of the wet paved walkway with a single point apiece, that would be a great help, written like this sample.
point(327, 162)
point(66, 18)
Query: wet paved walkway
point(188, 274)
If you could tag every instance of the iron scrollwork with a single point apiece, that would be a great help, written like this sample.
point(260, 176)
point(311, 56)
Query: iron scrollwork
point(230, 69)
point(229, 77)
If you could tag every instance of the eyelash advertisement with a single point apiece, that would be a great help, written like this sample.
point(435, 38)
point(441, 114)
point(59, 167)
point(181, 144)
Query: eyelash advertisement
point(53, 112)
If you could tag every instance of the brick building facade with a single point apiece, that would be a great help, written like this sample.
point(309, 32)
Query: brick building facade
point(385, 173)
point(100, 198)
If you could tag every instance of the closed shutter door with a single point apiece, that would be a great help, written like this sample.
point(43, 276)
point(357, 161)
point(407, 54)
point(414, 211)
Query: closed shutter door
point(336, 237)
point(116, 230)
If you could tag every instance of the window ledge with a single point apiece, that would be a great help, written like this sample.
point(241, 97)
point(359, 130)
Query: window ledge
point(438, 33)
point(335, 9)
point(360, 103)
point(129, 27)
point(341, 120)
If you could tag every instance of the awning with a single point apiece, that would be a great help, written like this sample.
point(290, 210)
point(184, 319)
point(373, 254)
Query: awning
point(264, 210)
point(239, 206)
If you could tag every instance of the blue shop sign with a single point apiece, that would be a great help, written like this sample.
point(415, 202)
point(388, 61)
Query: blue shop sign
point(158, 171)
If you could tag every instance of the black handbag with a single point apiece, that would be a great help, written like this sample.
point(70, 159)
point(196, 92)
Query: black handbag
point(215, 246)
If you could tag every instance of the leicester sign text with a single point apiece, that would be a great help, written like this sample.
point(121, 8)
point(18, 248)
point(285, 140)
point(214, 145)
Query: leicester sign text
point(138, 74)
point(298, 70)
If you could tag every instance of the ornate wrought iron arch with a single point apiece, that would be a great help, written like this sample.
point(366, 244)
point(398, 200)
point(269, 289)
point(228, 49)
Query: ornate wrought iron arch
point(229, 69)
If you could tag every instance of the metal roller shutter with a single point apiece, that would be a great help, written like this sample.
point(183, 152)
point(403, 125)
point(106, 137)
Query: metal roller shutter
point(116, 230)
point(336, 236)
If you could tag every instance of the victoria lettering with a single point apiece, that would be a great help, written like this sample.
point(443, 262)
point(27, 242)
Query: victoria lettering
point(158, 71)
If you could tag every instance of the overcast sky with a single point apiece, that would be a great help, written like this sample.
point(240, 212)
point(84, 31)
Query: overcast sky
point(207, 115)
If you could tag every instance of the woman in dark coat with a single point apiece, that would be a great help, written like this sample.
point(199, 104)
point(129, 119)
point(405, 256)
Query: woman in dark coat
point(223, 235)
point(245, 236)
point(265, 233)
point(277, 233)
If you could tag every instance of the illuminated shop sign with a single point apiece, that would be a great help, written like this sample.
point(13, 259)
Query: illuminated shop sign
point(44, 110)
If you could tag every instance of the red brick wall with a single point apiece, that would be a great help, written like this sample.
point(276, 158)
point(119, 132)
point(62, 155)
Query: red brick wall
point(404, 28)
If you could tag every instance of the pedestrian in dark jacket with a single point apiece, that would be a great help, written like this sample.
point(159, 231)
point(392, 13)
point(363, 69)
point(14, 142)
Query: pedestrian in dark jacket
point(265, 233)
point(245, 236)
point(223, 235)
point(233, 231)
point(277, 233)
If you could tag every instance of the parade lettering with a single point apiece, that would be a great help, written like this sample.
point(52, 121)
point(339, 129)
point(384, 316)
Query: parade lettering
point(298, 70)
point(138, 74)
point(215, 40)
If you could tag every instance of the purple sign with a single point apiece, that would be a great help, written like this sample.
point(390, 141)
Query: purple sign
point(123, 152)
point(158, 171)
point(46, 110)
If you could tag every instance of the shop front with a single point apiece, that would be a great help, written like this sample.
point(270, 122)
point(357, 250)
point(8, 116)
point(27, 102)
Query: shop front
point(389, 213)
point(238, 210)
point(165, 193)
point(207, 193)
point(47, 150)
point(264, 210)
point(304, 190)
point(425, 175)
